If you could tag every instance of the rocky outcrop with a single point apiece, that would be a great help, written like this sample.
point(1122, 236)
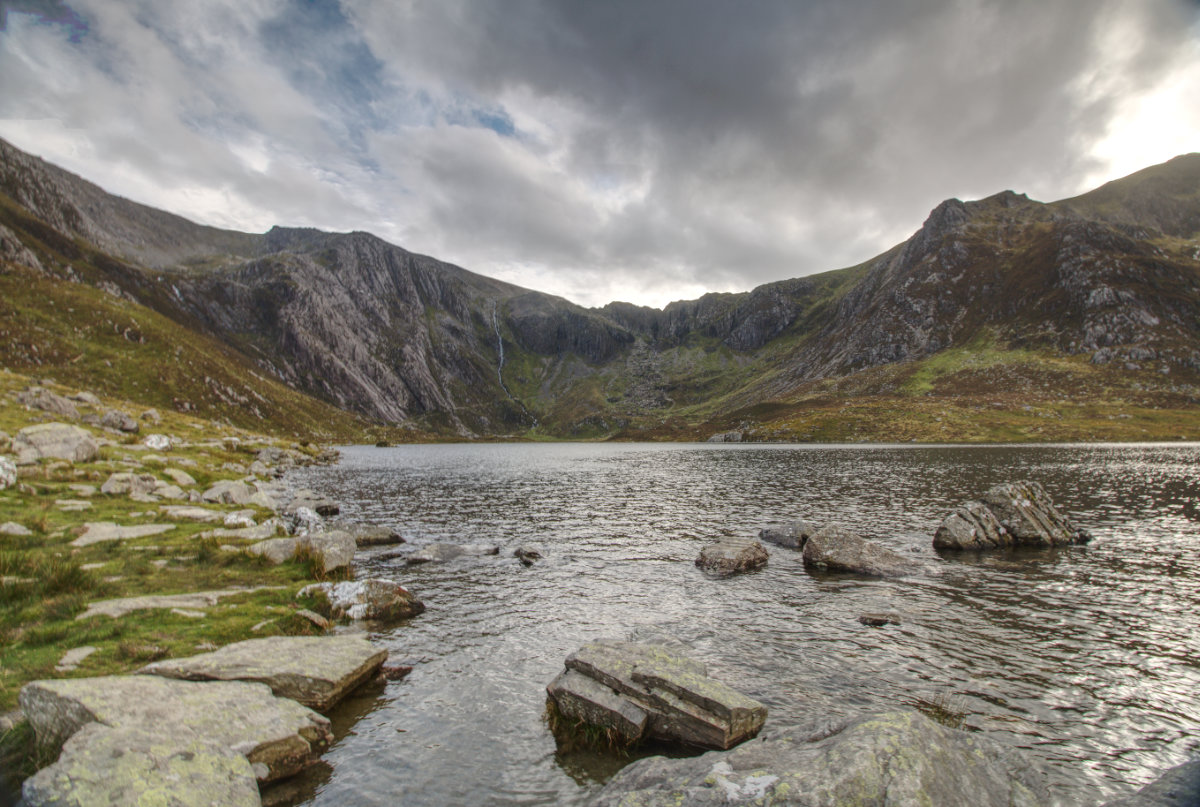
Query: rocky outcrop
point(836, 549)
point(278, 736)
point(972, 526)
point(104, 765)
point(731, 556)
point(1011, 514)
point(792, 535)
point(895, 759)
point(47, 401)
point(645, 691)
point(54, 441)
point(316, 671)
point(372, 598)
point(119, 421)
point(228, 492)
point(1178, 787)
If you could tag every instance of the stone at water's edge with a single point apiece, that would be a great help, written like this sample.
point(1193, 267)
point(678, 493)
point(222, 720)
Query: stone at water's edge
point(371, 535)
point(109, 766)
point(645, 691)
point(896, 759)
point(54, 441)
point(316, 671)
point(440, 553)
point(1028, 513)
point(529, 554)
point(1178, 787)
point(335, 548)
point(372, 598)
point(792, 535)
point(731, 556)
point(278, 736)
point(837, 549)
point(972, 526)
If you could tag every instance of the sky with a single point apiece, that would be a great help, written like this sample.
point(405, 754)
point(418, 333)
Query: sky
point(636, 150)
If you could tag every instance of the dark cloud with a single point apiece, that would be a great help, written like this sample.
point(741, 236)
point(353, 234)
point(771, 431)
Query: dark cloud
point(629, 148)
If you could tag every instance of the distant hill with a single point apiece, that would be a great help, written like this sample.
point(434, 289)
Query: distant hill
point(1003, 318)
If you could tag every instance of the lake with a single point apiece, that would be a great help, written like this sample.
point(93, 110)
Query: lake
point(1087, 658)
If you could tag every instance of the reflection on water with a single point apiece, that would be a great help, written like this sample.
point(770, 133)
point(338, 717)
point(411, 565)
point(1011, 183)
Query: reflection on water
point(1087, 658)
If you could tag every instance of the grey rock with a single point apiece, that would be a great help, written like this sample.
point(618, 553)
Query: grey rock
point(191, 513)
point(181, 478)
point(258, 532)
point(653, 692)
point(895, 759)
point(116, 419)
point(440, 553)
point(157, 442)
point(303, 521)
point(1028, 513)
point(85, 397)
point(173, 492)
point(277, 735)
point(152, 417)
point(321, 505)
point(373, 598)
point(100, 531)
point(1178, 787)
point(529, 554)
point(791, 535)
point(264, 500)
point(8, 473)
point(835, 548)
point(972, 526)
point(73, 658)
point(228, 491)
point(196, 600)
point(726, 437)
point(334, 548)
point(54, 441)
point(100, 765)
point(731, 556)
point(276, 550)
point(316, 671)
point(124, 484)
point(879, 619)
point(240, 518)
point(14, 529)
point(47, 401)
point(371, 535)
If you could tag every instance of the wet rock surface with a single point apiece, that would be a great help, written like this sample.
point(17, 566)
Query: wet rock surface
point(972, 526)
point(1178, 787)
point(791, 535)
point(1010, 514)
point(894, 759)
point(836, 549)
point(373, 598)
point(649, 691)
point(441, 553)
point(731, 556)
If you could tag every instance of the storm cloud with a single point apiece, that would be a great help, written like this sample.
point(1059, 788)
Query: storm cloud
point(645, 151)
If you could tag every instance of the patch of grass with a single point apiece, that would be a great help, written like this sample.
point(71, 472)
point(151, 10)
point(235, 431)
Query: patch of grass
point(949, 710)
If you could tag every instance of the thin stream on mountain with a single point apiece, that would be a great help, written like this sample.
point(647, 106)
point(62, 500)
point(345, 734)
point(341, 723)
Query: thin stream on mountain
point(1085, 658)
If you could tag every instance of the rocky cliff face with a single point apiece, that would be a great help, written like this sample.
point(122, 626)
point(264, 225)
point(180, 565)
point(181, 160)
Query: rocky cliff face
point(1114, 275)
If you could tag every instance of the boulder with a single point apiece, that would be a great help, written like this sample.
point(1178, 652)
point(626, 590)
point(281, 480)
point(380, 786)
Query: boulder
point(143, 765)
point(316, 671)
point(47, 401)
point(972, 526)
point(152, 417)
point(371, 535)
point(191, 512)
point(54, 441)
point(731, 556)
point(529, 554)
point(335, 548)
point(1178, 787)
point(100, 531)
point(15, 529)
point(303, 521)
point(321, 505)
point(647, 691)
point(895, 759)
point(118, 420)
point(181, 478)
point(173, 492)
point(877, 619)
point(835, 548)
point(277, 735)
point(791, 535)
point(8, 473)
point(276, 550)
point(85, 397)
point(125, 484)
point(440, 553)
point(1029, 515)
point(372, 598)
point(157, 442)
point(228, 491)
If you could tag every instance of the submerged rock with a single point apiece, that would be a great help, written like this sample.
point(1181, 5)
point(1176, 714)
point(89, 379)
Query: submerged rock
point(316, 671)
point(645, 691)
point(109, 766)
point(440, 553)
point(1178, 787)
point(529, 554)
point(54, 441)
point(792, 535)
point(277, 735)
point(895, 759)
point(373, 598)
point(731, 556)
point(835, 548)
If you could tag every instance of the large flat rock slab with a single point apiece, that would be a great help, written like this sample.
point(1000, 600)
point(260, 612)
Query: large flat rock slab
point(100, 531)
point(54, 441)
point(895, 759)
point(100, 765)
point(277, 735)
point(316, 671)
point(681, 704)
point(731, 556)
point(191, 601)
point(834, 548)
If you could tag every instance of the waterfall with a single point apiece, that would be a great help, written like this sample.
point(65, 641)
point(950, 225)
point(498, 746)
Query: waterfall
point(500, 364)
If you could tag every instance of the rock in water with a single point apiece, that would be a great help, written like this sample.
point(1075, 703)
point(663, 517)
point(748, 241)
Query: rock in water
point(645, 691)
point(731, 556)
point(1027, 512)
point(440, 553)
point(373, 598)
point(371, 535)
point(54, 441)
point(972, 526)
point(278, 736)
point(792, 535)
point(895, 759)
point(316, 671)
point(837, 549)
point(1178, 787)
point(102, 765)
point(529, 554)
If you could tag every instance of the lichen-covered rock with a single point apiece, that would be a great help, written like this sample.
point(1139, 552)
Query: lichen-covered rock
point(228, 491)
point(373, 598)
point(731, 556)
point(835, 548)
point(8, 473)
point(653, 692)
point(120, 421)
point(895, 759)
point(972, 526)
point(1178, 787)
point(100, 765)
point(47, 401)
point(277, 735)
point(125, 484)
point(54, 441)
point(791, 535)
point(316, 671)
point(1029, 515)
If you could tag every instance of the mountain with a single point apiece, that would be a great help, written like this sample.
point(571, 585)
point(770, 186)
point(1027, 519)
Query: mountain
point(1094, 298)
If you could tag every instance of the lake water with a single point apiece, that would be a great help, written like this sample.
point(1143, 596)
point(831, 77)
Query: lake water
point(1087, 658)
